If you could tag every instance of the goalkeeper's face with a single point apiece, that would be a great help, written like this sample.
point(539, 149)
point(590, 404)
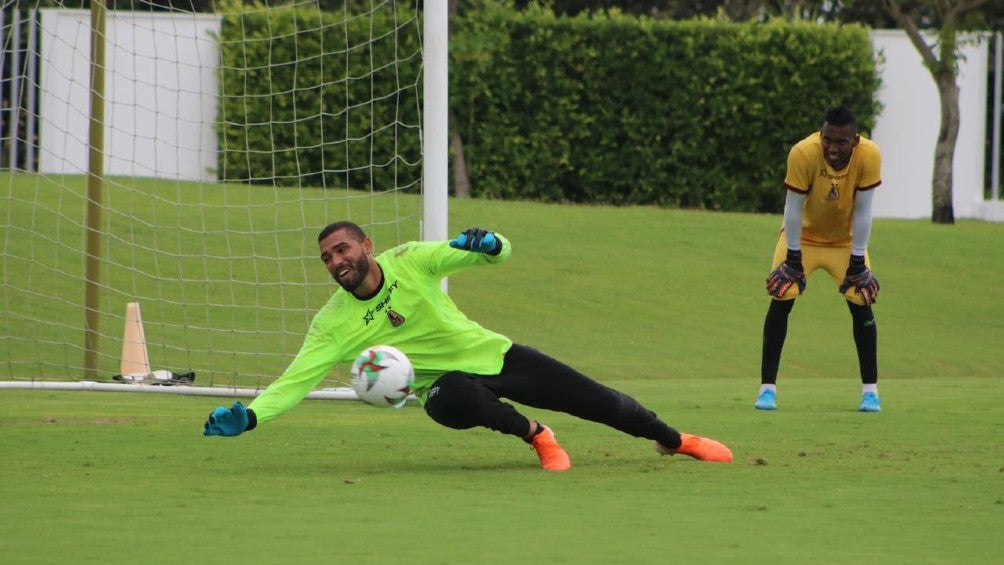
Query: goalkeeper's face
point(838, 144)
point(348, 260)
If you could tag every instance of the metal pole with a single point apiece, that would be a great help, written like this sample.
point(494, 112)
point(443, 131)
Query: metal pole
point(95, 170)
point(995, 142)
point(15, 86)
point(435, 130)
point(436, 133)
point(3, 55)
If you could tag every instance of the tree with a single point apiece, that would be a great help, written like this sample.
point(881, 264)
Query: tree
point(941, 60)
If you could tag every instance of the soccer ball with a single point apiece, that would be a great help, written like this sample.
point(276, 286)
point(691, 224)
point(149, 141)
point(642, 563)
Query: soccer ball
point(382, 376)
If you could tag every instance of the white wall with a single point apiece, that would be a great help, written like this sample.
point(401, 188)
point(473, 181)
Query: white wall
point(161, 87)
point(907, 130)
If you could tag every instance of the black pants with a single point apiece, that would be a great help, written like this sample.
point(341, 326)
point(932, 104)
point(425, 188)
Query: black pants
point(775, 329)
point(462, 400)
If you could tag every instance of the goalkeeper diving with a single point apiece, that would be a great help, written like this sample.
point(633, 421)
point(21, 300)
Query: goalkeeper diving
point(462, 370)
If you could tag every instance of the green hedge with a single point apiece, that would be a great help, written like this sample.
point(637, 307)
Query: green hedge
point(625, 111)
point(300, 104)
point(614, 110)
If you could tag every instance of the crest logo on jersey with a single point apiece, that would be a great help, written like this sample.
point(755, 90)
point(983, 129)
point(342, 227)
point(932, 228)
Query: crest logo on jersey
point(835, 180)
point(395, 318)
point(385, 303)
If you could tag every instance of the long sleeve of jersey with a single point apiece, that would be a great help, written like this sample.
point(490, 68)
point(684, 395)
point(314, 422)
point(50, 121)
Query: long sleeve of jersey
point(410, 312)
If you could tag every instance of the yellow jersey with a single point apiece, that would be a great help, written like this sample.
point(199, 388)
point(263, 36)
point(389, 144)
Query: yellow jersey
point(829, 201)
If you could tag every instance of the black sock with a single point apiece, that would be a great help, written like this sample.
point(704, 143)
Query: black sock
point(775, 329)
point(540, 428)
point(866, 341)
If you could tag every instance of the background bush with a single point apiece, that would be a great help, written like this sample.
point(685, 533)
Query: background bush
point(610, 109)
point(301, 103)
point(622, 110)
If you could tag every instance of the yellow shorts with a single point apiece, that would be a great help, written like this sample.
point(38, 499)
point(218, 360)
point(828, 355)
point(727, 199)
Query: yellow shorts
point(833, 259)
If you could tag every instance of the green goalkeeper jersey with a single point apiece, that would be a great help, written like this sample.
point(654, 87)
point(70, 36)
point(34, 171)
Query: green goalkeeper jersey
point(410, 312)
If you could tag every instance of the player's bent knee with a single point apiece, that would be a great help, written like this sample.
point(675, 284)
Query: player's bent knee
point(854, 297)
point(862, 313)
point(781, 307)
point(449, 400)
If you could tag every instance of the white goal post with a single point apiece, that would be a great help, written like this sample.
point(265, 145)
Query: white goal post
point(229, 140)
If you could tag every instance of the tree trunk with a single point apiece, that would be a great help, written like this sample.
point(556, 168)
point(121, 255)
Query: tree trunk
point(944, 150)
point(943, 69)
point(461, 183)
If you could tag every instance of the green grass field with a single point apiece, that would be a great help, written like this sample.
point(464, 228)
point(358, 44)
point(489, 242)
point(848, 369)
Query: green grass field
point(665, 305)
point(125, 478)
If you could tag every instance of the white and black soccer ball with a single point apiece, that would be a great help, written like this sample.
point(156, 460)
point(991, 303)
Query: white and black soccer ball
point(383, 376)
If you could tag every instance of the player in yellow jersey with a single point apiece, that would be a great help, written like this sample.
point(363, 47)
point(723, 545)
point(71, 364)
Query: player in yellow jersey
point(830, 183)
point(462, 370)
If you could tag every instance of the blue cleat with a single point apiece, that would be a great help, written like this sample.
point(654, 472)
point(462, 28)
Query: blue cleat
point(767, 400)
point(870, 403)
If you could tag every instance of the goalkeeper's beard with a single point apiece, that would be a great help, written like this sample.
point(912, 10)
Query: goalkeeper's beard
point(357, 274)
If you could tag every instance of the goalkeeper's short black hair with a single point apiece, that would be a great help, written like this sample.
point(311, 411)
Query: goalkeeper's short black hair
point(840, 116)
point(350, 227)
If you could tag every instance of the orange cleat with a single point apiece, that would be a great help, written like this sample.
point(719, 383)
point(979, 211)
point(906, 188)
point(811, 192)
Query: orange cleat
point(552, 456)
point(698, 447)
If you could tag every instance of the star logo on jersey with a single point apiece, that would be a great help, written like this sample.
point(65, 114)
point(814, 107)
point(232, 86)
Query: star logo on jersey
point(385, 303)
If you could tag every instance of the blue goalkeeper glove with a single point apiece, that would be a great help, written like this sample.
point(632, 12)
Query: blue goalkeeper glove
point(786, 274)
point(860, 276)
point(477, 240)
point(227, 422)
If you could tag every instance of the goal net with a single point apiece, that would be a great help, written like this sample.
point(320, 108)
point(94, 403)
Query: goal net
point(178, 159)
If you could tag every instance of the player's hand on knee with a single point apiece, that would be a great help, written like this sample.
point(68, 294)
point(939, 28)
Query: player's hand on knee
point(862, 279)
point(788, 273)
point(478, 240)
point(227, 422)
